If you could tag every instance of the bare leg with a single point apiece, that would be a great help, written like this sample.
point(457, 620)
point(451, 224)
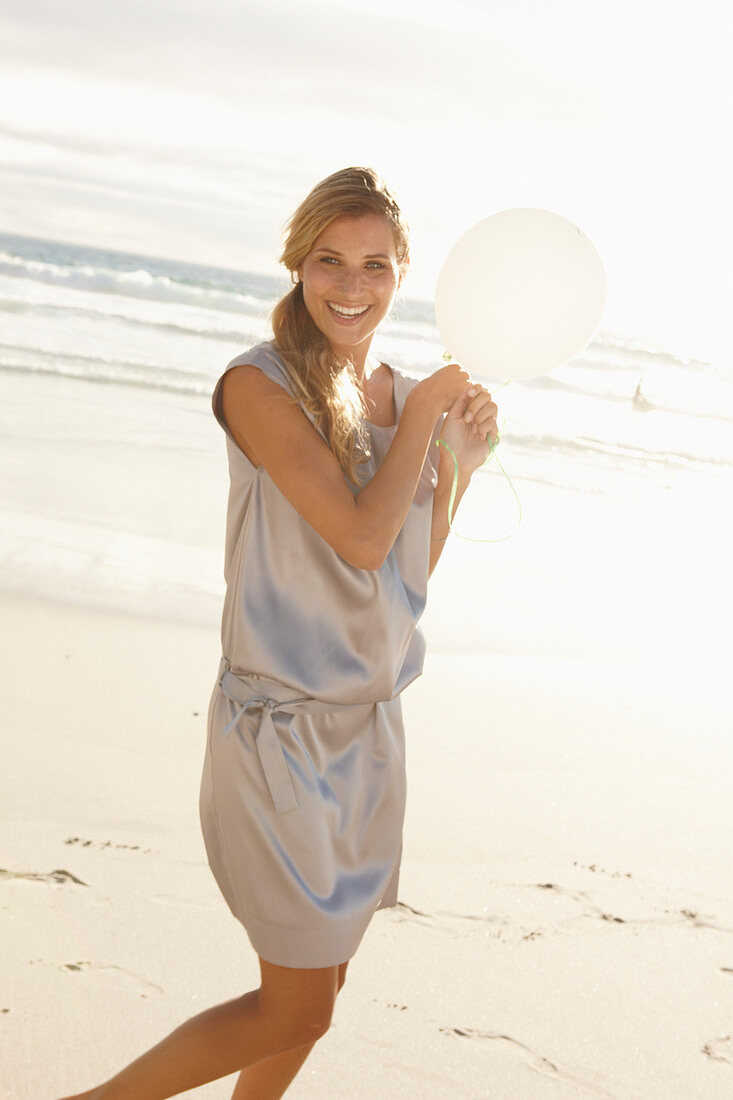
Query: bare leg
point(268, 1079)
point(292, 1009)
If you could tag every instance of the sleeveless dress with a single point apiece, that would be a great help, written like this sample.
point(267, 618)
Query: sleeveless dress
point(302, 793)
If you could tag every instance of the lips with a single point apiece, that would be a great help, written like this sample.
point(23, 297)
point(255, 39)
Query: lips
point(347, 314)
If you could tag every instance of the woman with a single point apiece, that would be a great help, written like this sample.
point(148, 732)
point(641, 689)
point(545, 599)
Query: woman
point(338, 512)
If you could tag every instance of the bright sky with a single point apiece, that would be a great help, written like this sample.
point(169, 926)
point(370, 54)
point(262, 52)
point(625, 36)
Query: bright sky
point(191, 128)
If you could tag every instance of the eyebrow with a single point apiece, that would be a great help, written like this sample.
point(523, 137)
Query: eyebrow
point(370, 256)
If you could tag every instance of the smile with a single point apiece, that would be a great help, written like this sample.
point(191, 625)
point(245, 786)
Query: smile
point(346, 311)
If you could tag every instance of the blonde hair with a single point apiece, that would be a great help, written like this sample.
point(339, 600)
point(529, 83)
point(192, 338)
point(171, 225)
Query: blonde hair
point(324, 384)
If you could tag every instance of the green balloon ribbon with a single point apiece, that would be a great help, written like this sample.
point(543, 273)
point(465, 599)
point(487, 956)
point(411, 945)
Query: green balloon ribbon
point(454, 487)
point(454, 490)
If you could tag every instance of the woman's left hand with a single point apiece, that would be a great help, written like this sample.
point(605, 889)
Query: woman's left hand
point(470, 428)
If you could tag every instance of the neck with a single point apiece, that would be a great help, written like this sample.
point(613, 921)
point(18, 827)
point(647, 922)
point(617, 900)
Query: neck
point(366, 369)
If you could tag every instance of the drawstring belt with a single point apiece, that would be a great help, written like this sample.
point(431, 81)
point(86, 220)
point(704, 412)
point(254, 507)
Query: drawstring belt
point(259, 693)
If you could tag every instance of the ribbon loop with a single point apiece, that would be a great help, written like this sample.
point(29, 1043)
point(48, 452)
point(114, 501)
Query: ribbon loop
point(272, 758)
point(259, 693)
point(269, 750)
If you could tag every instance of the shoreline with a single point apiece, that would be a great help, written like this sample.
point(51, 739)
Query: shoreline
point(118, 499)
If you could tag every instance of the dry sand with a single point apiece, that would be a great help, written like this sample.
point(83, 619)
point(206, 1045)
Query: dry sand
point(565, 926)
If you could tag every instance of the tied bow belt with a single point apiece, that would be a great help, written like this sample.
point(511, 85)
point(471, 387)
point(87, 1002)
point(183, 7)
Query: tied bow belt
point(268, 696)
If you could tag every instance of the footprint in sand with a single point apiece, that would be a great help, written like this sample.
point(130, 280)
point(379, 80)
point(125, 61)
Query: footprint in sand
point(667, 917)
point(450, 923)
point(602, 870)
point(720, 1050)
point(536, 1062)
point(59, 876)
point(403, 912)
point(141, 985)
point(441, 921)
point(86, 843)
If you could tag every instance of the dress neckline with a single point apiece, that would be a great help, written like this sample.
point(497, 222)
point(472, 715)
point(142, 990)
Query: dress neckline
point(397, 399)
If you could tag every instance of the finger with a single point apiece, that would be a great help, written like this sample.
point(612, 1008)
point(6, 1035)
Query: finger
point(481, 406)
point(485, 414)
point(461, 403)
point(482, 400)
point(485, 425)
point(477, 398)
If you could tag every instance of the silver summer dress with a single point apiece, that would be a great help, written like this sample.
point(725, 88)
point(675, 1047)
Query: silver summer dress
point(303, 787)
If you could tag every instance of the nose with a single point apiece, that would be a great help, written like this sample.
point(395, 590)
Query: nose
point(350, 281)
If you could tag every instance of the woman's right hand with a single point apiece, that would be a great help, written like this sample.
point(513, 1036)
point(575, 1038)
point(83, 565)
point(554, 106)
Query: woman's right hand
point(442, 388)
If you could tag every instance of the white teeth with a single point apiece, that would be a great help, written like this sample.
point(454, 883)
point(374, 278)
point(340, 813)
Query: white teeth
point(344, 312)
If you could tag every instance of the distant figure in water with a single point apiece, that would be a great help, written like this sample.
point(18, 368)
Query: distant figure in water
point(639, 401)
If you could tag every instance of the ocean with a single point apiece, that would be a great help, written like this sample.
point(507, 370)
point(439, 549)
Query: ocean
point(624, 415)
point(114, 470)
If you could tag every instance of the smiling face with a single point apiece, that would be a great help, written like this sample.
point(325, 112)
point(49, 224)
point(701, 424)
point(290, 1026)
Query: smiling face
point(349, 279)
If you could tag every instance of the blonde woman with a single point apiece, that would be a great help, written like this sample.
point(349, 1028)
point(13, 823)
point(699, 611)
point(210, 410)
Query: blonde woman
point(337, 515)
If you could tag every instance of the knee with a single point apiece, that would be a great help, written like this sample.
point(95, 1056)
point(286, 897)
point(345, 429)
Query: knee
point(314, 1025)
point(299, 1024)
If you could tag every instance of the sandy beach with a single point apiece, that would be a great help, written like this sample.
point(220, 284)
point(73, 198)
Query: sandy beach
point(565, 920)
point(565, 925)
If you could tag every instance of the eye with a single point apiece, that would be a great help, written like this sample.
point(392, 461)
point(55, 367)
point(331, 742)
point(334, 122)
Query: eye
point(328, 260)
point(377, 264)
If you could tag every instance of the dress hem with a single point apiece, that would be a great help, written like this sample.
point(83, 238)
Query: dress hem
point(308, 948)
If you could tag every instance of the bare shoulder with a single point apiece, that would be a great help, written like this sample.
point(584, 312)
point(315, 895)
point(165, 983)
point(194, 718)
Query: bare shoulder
point(274, 432)
point(248, 382)
point(248, 395)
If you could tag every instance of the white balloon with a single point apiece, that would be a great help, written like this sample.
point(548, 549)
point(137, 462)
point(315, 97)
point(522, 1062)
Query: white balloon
point(520, 293)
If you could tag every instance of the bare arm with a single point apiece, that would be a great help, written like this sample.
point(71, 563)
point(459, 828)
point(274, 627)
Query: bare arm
point(276, 434)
